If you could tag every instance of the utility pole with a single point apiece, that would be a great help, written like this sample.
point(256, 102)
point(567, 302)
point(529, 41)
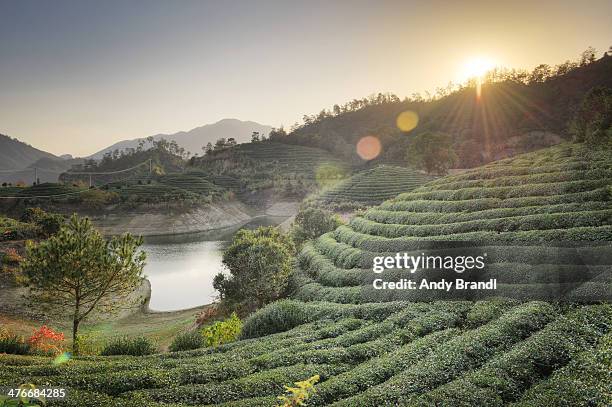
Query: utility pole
point(35, 175)
point(150, 166)
point(89, 180)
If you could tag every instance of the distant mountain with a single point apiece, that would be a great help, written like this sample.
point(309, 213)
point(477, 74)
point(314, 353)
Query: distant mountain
point(45, 169)
point(193, 140)
point(15, 155)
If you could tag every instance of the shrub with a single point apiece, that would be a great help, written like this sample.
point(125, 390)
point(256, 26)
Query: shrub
point(98, 198)
point(139, 346)
point(222, 331)
point(584, 381)
point(259, 262)
point(13, 344)
point(311, 223)
point(45, 340)
point(592, 122)
point(296, 396)
point(485, 311)
point(377, 370)
point(277, 317)
point(49, 223)
point(187, 341)
point(431, 152)
point(88, 344)
point(11, 229)
point(537, 356)
point(10, 257)
point(462, 353)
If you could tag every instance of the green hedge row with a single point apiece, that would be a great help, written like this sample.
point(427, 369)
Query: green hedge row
point(310, 290)
point(286, 314)
point(511, 224)
point(585, 381)
point(371, 243)
point(480, 204)
point(265, 383)
point(504, 378)
point(452, 358)
point(436, 218)
point(513, 180)
point(377, 370)
point(517, 191)
point(372, 340)
point(342, 255)
point(324, 271)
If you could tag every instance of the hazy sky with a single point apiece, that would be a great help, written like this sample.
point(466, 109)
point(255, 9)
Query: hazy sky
point(76, 76)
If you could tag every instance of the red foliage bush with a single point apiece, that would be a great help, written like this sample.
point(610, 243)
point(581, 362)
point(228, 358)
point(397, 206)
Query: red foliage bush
point(47, 340)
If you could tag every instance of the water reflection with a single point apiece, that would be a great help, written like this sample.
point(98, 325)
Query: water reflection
point(181, 268)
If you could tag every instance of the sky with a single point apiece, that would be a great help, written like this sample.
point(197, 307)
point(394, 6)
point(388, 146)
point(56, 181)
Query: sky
point(77, 76)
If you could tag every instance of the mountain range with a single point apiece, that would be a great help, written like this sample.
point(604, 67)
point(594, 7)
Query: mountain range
point(18, 159)
point(194, 139)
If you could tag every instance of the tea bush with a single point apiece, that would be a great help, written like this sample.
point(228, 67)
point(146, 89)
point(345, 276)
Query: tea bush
point(138, 346)
point(221, 332)
point(187, 341)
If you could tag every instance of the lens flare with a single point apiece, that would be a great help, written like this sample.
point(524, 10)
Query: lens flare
point(61, 359)
point(407, 120)
point(328, 175)
point(369, 148)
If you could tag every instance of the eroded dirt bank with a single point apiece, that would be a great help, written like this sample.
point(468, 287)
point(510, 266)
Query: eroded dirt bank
point(169, 221)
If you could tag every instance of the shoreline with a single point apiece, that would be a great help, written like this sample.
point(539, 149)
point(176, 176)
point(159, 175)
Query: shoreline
point(215, 219)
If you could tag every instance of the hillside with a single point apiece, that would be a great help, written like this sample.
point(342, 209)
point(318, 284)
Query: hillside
point(16, 155)
point(284, 169)
point(371, 187)
point(380, 350)
point(522, 211)
point(256, 173)
point(46, 169)
point(194, 139)
point(515, 115)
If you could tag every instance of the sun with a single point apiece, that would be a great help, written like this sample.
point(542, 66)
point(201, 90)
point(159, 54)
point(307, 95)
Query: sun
point(476, 67)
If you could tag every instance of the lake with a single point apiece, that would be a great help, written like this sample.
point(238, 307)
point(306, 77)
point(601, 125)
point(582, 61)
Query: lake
point(181, 268)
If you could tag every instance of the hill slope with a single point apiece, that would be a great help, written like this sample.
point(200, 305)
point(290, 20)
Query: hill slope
point(521, 211)
point(194, 139)
point(510, 117)
point(371, 187)
point(16, 155)
point(387, 353)
point(282, 168)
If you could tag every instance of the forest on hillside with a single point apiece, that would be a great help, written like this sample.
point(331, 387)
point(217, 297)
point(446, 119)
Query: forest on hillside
point(514, 111)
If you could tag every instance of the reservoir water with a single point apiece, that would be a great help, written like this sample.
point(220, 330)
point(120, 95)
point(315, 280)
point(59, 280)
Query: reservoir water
point(181, 268)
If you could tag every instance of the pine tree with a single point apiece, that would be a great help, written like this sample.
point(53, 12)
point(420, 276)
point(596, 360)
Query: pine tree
point(78, 271)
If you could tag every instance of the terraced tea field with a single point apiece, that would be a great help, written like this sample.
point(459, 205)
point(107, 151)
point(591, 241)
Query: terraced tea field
point(154, 193)
point(138, 188)
point(385, 349)
point(371, 187)
point(393, 353)
point(544, 219)
point(270, 165)
point(222, 181)
point(290, 156)
point(190, 182)
point(44, 189)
